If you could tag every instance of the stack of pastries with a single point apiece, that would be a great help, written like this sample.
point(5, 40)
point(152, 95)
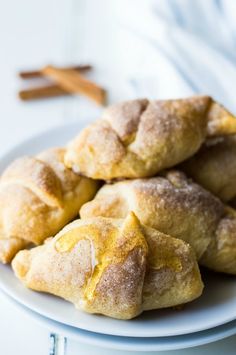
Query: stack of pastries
point(150, 181)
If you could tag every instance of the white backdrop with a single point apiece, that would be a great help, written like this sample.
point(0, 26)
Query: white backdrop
point(159, 49)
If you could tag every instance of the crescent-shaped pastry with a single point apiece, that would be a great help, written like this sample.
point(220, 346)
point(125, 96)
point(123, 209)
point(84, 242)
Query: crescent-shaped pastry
point(140, 138)
point(114, 267)
point(174, 205)
point(214, 167)
point(38, 196)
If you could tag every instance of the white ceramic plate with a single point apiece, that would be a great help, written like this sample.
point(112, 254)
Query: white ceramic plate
point(217, 305)
point(129, 343)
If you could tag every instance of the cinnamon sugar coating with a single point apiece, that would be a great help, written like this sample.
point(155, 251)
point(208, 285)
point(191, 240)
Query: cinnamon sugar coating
point(214, 167)
point(114, 267)
point(175, 205)
point(38, 196)
point(139, 138)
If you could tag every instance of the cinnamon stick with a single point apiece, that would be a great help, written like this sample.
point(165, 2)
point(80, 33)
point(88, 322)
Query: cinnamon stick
point(38, 73)
point(42, 92)
point(71, 81)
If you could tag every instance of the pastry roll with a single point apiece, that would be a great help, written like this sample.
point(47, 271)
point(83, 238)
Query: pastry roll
point(174, 205)
point(38, 196)
point(140, 138)
point(214, 167)
point(114, 267)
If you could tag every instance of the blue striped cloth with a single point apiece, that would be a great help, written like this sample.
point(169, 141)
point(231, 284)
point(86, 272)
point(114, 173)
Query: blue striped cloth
point(175, 48)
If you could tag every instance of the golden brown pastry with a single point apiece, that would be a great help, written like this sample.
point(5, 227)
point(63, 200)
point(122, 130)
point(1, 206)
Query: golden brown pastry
point(176, 206)
point(214, 167)
point(140, 138)
point(114, 267)
point(38, 196)
point(10, 246)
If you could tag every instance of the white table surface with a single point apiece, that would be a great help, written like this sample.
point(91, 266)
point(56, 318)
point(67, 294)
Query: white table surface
point(33, 33)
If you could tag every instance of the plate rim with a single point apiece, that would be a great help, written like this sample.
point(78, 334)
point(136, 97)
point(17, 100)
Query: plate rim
point(122, 343)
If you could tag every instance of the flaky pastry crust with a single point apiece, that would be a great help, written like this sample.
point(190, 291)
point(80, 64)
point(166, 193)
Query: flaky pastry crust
point(214, 167)
point(114, 267)
point(175, 205)
point(139, 138)
point(38, 196)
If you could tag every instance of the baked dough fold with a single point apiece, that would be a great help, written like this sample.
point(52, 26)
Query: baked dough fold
point(38, 196)
point(214, 167)
point(139, 138)
point(174, 205)
point(114, 267)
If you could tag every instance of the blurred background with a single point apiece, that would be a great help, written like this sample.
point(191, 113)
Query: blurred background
point(153, 48)
point(138, 48)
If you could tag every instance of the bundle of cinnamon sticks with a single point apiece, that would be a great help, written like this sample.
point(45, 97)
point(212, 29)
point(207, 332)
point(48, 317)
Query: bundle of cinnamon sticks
point(65, 81)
